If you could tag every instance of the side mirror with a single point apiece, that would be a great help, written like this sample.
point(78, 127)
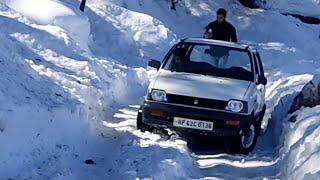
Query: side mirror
point(262, 80)
point(154, 63)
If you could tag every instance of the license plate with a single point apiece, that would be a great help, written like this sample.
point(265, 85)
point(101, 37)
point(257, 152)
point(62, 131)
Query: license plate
point(192, 124)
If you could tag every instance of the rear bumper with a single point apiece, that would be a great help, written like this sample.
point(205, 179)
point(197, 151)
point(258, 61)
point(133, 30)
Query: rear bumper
point(219, 118)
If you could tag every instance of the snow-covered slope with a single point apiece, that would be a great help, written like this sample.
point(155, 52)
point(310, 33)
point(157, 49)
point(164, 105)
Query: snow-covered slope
point(305, 7)
point(54, 94)
point(68, 80)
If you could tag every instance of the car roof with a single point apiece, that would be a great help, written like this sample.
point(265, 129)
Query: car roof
point(218, 43)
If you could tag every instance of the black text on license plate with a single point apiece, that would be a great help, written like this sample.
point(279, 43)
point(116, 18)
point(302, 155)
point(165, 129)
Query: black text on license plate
point(193, 124)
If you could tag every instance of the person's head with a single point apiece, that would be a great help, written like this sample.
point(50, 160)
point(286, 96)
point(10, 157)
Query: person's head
point(221, 15)
point(179, 55)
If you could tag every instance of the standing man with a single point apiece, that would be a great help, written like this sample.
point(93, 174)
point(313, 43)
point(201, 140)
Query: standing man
point(221, 29)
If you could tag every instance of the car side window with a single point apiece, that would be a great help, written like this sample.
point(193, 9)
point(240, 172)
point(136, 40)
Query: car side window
point(261, 71)
point(238, 60)
point(256, 64)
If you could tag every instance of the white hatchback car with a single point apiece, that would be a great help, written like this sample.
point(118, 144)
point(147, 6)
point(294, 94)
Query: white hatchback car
point(207, 87)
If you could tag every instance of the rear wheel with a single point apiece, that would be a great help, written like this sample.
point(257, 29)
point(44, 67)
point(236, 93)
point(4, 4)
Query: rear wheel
point(143, 127)
point(260, 119)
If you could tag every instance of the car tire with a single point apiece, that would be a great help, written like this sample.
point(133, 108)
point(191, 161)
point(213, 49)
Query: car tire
point(260, 119)
point(143, 127)
point(192, 140)
point(246, 142)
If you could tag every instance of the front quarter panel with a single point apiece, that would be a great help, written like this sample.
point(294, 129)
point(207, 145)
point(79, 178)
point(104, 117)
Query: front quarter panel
point(251, 97)
point(153, 80)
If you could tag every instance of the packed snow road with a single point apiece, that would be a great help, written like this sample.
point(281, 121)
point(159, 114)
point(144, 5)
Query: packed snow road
point(66, 91)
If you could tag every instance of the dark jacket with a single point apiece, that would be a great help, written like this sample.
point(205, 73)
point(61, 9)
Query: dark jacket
point(222, 31)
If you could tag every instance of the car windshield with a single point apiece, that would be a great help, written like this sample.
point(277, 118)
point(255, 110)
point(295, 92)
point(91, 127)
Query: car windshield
point(210, 60)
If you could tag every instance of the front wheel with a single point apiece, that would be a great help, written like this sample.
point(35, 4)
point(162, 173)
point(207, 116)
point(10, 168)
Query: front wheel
point(246, 142)
point(143, 127)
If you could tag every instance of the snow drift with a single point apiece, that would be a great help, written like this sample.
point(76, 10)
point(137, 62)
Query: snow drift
point(48, 12)
point(54, 94)
point(306, 7)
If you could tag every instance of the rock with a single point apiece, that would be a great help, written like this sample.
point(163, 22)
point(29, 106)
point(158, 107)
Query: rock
point(309, 95)
point(2, 125)
point(89, 161)
point(249, 3)
point(304, 19)
point(293, 118)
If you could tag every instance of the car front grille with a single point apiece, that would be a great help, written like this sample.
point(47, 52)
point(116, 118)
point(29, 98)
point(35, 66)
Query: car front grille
point(197, 102)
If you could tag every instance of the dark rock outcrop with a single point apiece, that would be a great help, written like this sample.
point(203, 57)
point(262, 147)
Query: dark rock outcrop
point(309, 96)
point(89, 161)
point(249, 3)
point(304, 19)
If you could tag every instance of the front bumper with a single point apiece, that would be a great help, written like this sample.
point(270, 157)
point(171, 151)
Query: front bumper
point(219, 118)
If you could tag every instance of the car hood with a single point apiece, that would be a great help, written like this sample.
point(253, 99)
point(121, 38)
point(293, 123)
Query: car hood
point(201, 86)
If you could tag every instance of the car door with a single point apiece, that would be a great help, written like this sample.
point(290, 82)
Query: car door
point(260, 87)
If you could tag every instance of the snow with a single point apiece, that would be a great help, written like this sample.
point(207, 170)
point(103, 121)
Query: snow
point(302, 145)
point(139, 35)
point(305, 7)
point(69, 79)
point(45, 12)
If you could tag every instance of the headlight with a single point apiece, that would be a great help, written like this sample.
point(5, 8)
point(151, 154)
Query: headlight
point(234, 106)
point(159, 95)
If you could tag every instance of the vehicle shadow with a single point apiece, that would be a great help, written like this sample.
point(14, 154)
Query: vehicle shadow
point(205, 145)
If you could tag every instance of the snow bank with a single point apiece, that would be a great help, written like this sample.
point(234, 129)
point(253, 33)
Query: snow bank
point(301, 149)
point(116, 30)
point(41, 11)
point(39, 122)
point(302, 7)
point(49, 12)
point(54, 97)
